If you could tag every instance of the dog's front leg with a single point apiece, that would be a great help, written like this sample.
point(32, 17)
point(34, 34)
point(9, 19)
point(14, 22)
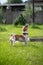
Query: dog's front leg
point(26, 40)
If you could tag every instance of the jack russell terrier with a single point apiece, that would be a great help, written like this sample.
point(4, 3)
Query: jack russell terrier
point(21, 38)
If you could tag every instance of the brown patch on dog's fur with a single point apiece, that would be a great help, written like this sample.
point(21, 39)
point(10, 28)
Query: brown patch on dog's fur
point(19, 36)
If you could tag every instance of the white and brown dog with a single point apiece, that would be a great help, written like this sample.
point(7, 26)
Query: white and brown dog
point(16, 37)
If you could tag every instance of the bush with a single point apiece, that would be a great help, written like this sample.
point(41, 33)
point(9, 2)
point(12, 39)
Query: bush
point(16, 22)
point(20, 20)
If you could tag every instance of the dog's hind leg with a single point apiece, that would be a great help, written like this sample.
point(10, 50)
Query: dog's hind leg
point(12, 41)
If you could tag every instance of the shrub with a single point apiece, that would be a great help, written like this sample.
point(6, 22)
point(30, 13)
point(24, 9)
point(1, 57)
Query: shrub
point(16, 22)
point(20, 20)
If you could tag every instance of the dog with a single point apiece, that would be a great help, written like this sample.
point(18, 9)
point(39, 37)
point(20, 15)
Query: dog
point(16, 37)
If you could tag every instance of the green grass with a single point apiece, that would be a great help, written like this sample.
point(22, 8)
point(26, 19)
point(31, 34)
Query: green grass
point(20, 54)
point(37, 31)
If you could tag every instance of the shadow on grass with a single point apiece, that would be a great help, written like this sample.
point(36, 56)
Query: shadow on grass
point(20, 46)
point(35, 27)
point(34, 46)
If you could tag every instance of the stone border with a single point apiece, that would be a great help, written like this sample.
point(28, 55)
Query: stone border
point(36, 39)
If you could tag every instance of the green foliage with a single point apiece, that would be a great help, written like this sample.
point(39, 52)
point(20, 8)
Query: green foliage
point(28, 10)
point(16, 22)
point(14, 1)
point(20, 20)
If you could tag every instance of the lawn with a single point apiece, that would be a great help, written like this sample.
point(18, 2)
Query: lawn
point(20, 54)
